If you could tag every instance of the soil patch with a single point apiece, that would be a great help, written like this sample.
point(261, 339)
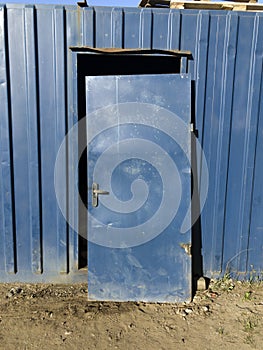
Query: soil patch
point(229, 315)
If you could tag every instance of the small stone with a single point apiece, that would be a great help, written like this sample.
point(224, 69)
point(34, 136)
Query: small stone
point(181, 312)
point(10, 293)
point(201, 284)
point(212, 295)
point(14, 291)
point(205, 308)
point(188, 311)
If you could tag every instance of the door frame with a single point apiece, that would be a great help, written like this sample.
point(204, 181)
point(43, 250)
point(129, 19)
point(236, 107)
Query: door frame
point(81, 64)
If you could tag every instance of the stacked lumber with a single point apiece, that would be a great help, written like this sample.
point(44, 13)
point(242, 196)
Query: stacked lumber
point(240, 5)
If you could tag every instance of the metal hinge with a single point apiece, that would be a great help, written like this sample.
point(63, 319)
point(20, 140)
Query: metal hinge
point(193, 129)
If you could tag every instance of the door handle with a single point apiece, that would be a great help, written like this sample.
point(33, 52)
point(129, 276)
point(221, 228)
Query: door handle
point(95, 194)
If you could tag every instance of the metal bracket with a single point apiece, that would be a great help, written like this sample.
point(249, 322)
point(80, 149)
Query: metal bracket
point(82, 3)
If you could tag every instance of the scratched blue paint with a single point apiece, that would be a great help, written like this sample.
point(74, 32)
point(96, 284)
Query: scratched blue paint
point(39, 103)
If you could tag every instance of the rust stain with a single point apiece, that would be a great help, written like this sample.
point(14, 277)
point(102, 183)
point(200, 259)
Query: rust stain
point(187, 247)
point(79, 21)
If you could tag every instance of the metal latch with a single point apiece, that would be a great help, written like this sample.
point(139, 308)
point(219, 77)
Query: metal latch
point(95, 194)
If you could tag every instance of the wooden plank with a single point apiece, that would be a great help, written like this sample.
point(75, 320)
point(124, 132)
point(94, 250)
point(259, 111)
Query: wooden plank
point(154, 3)
point(179, 53)
point(207, 5)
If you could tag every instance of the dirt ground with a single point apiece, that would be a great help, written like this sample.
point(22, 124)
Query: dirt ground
point(229, 315)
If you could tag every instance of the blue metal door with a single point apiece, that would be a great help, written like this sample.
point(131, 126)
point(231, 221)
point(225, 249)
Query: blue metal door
point(139, 183)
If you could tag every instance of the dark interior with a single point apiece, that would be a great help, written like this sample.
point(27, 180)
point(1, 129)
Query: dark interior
point(93, 64)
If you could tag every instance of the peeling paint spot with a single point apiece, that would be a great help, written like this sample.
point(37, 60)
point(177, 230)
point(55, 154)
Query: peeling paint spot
point(133, 261)
point(187, 247)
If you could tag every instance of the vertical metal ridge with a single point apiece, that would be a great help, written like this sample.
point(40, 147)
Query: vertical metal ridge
point(160, 30)
point(253, 110)
point(232, 50)
point(37, 82)
point(225, 116)
point(230, 65)
point(141, 30)
point(21, 134)
point(55, 48)
point(33, 186)
point(66, 130)
point(217, 216)
point(235, 233)
point(48, 135)
point(249, 153)
point(73, 37)
point(209, 140)
point(146, 29)
point(94, 29)
point(248, 156)
point(216, 137)
point(88, 27)
point(131, 28)
point(174, 30)
point(60, 130)
point(189, 26)
point(116, 27)
point(201, 57)
point(7, 222)
point(169, 31)
point(201, 54)
point(254, 258)
point(104, 27)
point(197, 35)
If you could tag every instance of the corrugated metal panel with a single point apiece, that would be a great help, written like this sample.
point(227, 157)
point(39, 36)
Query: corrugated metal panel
point(24, 125)
point(38, 98)
point(7, 243)
point(35, 71)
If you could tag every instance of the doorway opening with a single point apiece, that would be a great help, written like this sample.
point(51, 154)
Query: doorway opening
point(93, 62)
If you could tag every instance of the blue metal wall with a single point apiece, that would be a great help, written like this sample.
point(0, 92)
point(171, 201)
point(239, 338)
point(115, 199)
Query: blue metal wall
point(38, 104)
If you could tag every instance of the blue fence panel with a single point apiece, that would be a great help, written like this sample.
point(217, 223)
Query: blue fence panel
point(230, 72)
point(21, 44)
point(216, 126)
point(50, 34)
point(132, 28)
point(255, 249)
point(39, 103)
point(77, 34)
point(245, 114)
point(146, 30)
point(7, 241)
